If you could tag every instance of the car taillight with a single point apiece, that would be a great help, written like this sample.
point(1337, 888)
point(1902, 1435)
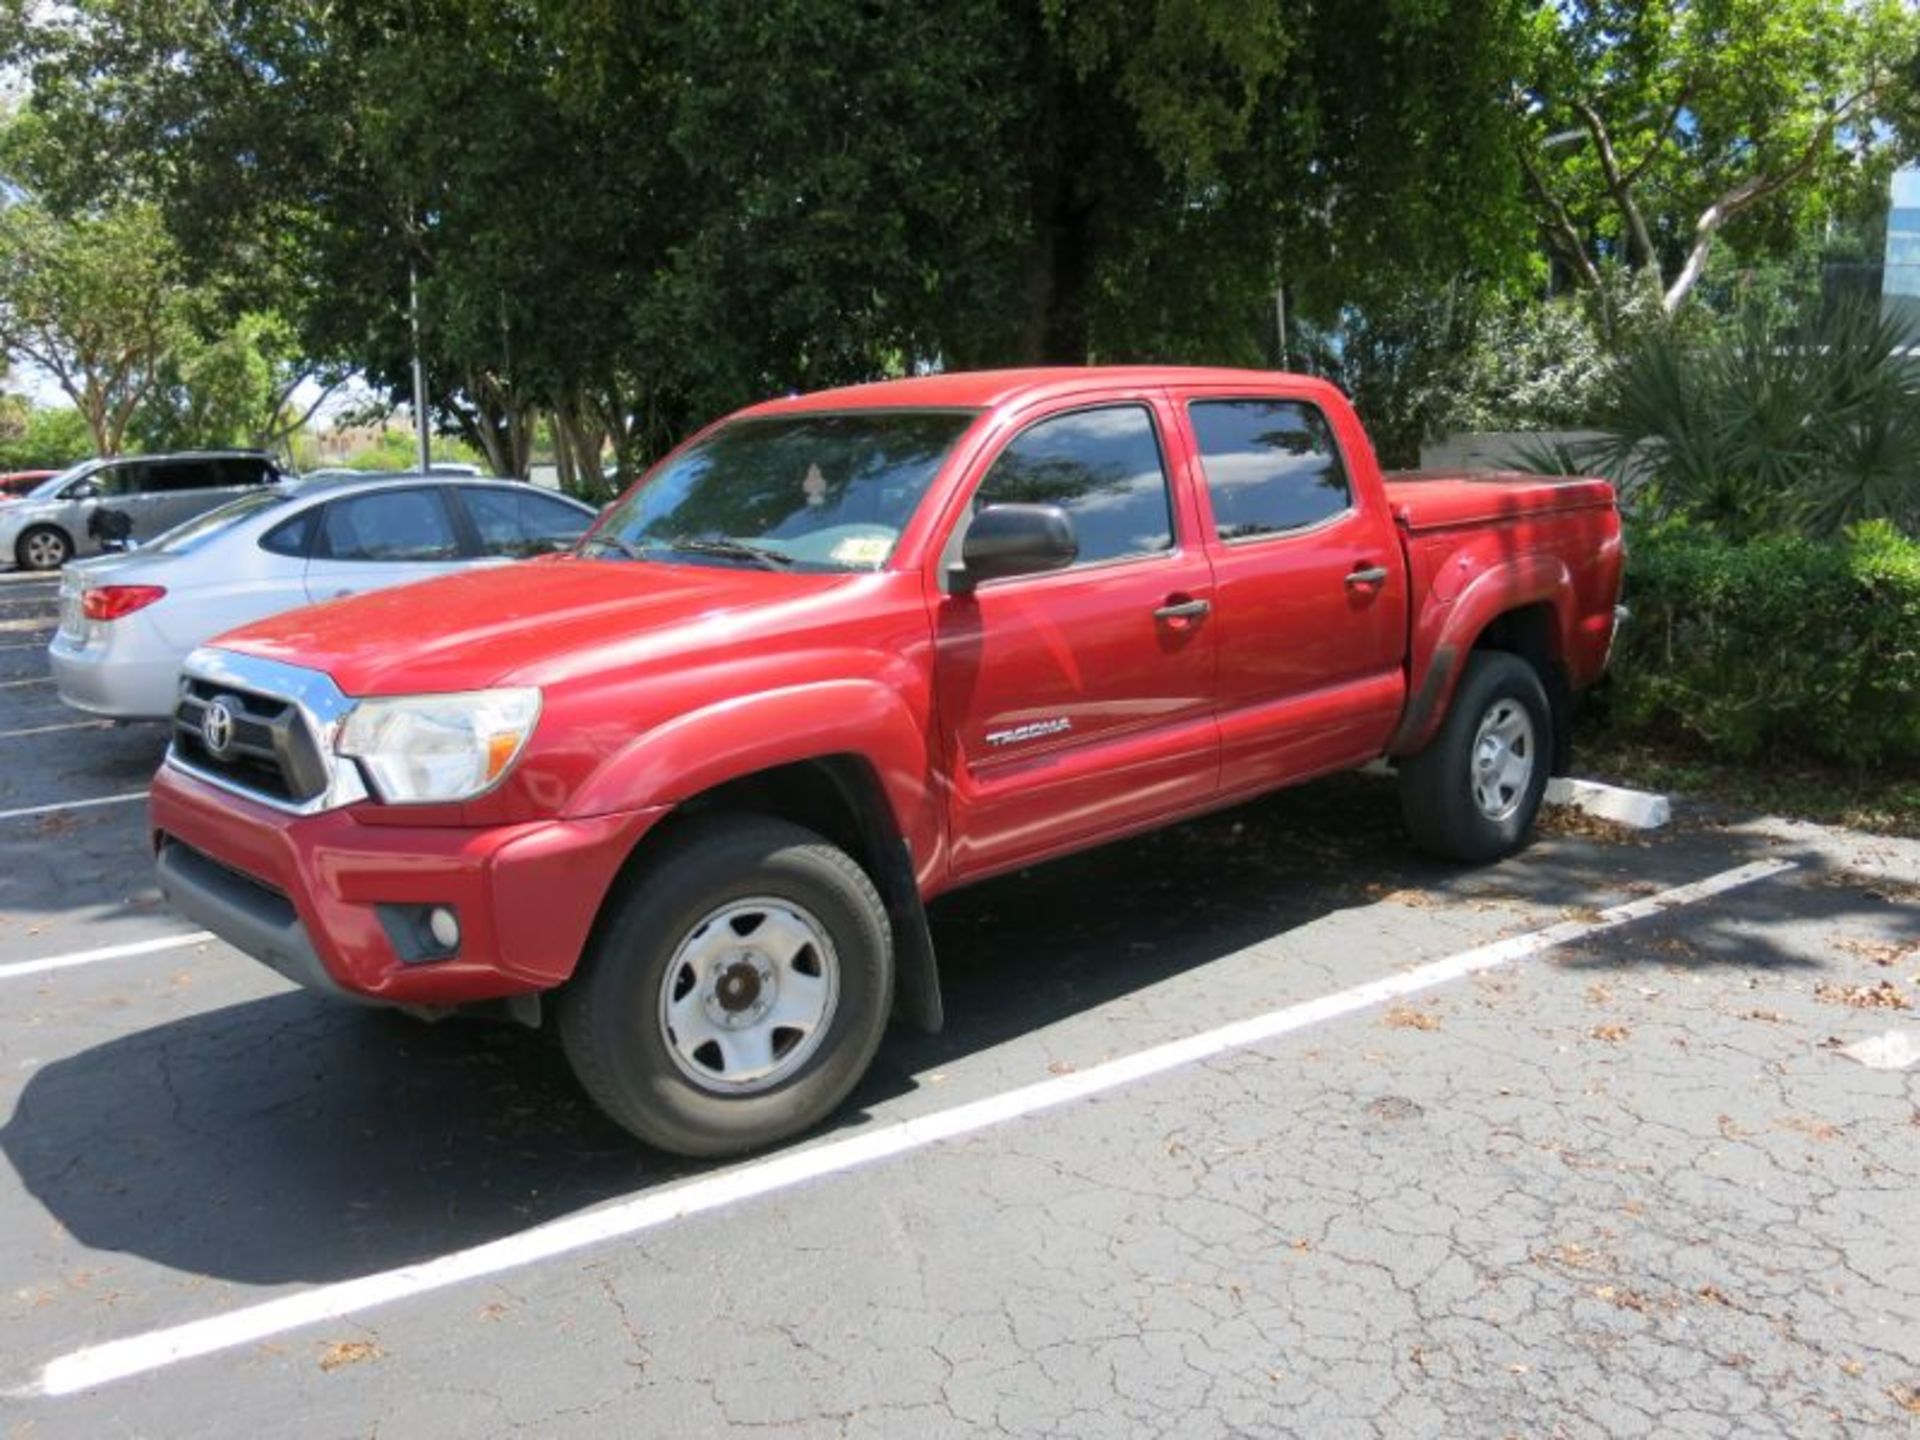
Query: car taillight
point(110, 602)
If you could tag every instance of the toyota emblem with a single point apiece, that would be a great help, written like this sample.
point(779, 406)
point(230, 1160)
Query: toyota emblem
point(216, 728)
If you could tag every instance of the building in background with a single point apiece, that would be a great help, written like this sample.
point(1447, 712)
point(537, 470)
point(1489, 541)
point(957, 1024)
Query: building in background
point(1900, 283)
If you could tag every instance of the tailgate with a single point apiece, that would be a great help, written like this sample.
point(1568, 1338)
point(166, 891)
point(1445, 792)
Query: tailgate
point(1437, 499)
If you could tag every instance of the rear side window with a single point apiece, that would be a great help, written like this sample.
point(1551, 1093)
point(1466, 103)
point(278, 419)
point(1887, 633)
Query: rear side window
point(521, 522)
point(175, 475)
point(292, 537)
point(1271, 466)
point(389, 525)
point(1102, 467)
point(240, 470)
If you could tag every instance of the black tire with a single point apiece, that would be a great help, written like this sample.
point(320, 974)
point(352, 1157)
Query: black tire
point(43, 547)
point(1437, 791)
point(609, 1014)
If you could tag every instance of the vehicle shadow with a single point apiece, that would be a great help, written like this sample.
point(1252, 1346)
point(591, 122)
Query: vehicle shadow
point(292, 1140)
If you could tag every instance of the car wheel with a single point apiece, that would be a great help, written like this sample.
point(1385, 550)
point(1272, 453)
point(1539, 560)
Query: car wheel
point(735, 991)
point(1472, 794)
point(44, 547)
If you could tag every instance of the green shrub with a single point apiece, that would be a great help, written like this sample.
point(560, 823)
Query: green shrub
point(1783, 646)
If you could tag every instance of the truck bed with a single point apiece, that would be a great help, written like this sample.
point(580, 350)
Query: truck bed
point(1440, 499)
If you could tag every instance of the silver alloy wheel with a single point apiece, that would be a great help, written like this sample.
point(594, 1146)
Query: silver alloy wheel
point(749, 995)
point(45, 550)
point(1503, 758)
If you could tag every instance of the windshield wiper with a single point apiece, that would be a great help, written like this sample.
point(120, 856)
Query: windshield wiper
point(731, 549)
point(611, 542)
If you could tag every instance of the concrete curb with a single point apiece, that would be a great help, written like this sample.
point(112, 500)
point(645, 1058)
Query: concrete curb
point(1636, 809)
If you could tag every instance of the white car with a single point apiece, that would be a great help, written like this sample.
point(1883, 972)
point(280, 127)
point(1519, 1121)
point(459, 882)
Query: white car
point(128, 621)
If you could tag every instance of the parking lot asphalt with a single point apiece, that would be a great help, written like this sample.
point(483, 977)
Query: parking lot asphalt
point(1260, 1126)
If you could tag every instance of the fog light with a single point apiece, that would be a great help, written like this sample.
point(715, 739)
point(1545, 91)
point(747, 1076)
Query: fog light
point(444, 926)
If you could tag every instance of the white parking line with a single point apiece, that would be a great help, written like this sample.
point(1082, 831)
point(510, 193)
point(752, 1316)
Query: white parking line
point(105, 952)
point(25, 811)
point(17, 684)
point(141, 1354)
point(50, 729)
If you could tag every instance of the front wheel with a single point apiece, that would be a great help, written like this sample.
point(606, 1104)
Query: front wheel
point(1472, 794)
point(44, 547)
point(735, 992)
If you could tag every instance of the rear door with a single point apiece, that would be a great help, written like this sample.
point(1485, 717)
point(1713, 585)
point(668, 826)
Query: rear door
point(518, 522)
point(380, 538)
point(1077, 705)
point(1310, 589)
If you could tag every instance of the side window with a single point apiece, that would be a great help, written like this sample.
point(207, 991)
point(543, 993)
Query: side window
point(182, 475)
point(116, 482)
point(292, 537)
point(389, 525)
point(520, 522)
point(1271, 466)
point(1102, 467)
point(241, 470)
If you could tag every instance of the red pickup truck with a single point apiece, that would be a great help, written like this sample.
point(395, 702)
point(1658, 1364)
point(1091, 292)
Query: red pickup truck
point(688, 788)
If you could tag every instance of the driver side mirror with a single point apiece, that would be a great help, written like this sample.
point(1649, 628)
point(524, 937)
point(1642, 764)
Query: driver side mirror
point(83, 490)
point(1013, 540)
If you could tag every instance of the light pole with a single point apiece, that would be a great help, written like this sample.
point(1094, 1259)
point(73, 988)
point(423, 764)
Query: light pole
point(419, 370)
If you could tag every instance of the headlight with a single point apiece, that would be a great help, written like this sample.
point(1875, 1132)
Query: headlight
point(418, 748)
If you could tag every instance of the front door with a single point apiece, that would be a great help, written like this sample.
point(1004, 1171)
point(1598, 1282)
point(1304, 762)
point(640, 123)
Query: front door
point(1077, 705)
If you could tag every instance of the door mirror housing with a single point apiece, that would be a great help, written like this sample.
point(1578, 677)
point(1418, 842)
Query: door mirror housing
point(83, 490)
point(1013, 540)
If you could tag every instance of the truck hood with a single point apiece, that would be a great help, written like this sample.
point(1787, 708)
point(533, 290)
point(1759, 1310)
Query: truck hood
point(532, 623)
point(1435, 499)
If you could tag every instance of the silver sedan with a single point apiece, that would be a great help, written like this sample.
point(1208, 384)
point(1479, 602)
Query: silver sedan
point(128, 621)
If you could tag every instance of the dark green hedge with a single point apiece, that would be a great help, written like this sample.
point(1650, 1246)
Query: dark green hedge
point(1773, 648)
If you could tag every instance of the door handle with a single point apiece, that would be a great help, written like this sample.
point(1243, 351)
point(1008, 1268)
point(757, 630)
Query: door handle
point(1183, 610)
point(1368, 575)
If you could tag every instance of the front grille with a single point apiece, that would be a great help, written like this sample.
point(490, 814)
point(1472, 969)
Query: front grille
point(269, 749)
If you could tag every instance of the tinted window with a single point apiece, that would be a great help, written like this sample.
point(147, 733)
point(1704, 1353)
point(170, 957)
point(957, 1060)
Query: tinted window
point(184, 475)
point(241, 470)
point(1102, 467)
point(391, 525)
point(1271, 466)
point(522, 522)
point(292, 537)
point(119, 480)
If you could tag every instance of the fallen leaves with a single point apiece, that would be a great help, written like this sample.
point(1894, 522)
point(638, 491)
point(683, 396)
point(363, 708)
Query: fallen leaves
point(1612, 1034)
point(1878, 952)
point(1405, 1017)
point(348, 1352)
point(1883, 995)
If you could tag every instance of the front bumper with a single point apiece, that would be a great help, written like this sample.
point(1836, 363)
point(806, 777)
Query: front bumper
point(305, 894)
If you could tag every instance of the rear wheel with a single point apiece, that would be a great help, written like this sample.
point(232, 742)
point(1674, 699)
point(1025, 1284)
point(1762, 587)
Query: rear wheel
point(736, 991)
point(1473, 793)
point(44, 547)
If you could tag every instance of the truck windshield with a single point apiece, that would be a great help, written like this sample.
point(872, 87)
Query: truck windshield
point(829, 491)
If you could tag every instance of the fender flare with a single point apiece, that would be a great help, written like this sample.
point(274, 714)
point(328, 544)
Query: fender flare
point(736, 738)
point(1507, 586)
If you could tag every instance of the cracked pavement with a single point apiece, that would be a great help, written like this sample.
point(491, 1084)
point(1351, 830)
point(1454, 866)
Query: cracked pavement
point(1627, 1187)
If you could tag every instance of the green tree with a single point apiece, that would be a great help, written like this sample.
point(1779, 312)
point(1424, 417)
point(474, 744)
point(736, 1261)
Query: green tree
point(1654, 132)
point(95, 302)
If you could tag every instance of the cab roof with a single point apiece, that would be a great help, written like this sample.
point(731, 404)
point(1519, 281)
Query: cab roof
point(983, 389)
